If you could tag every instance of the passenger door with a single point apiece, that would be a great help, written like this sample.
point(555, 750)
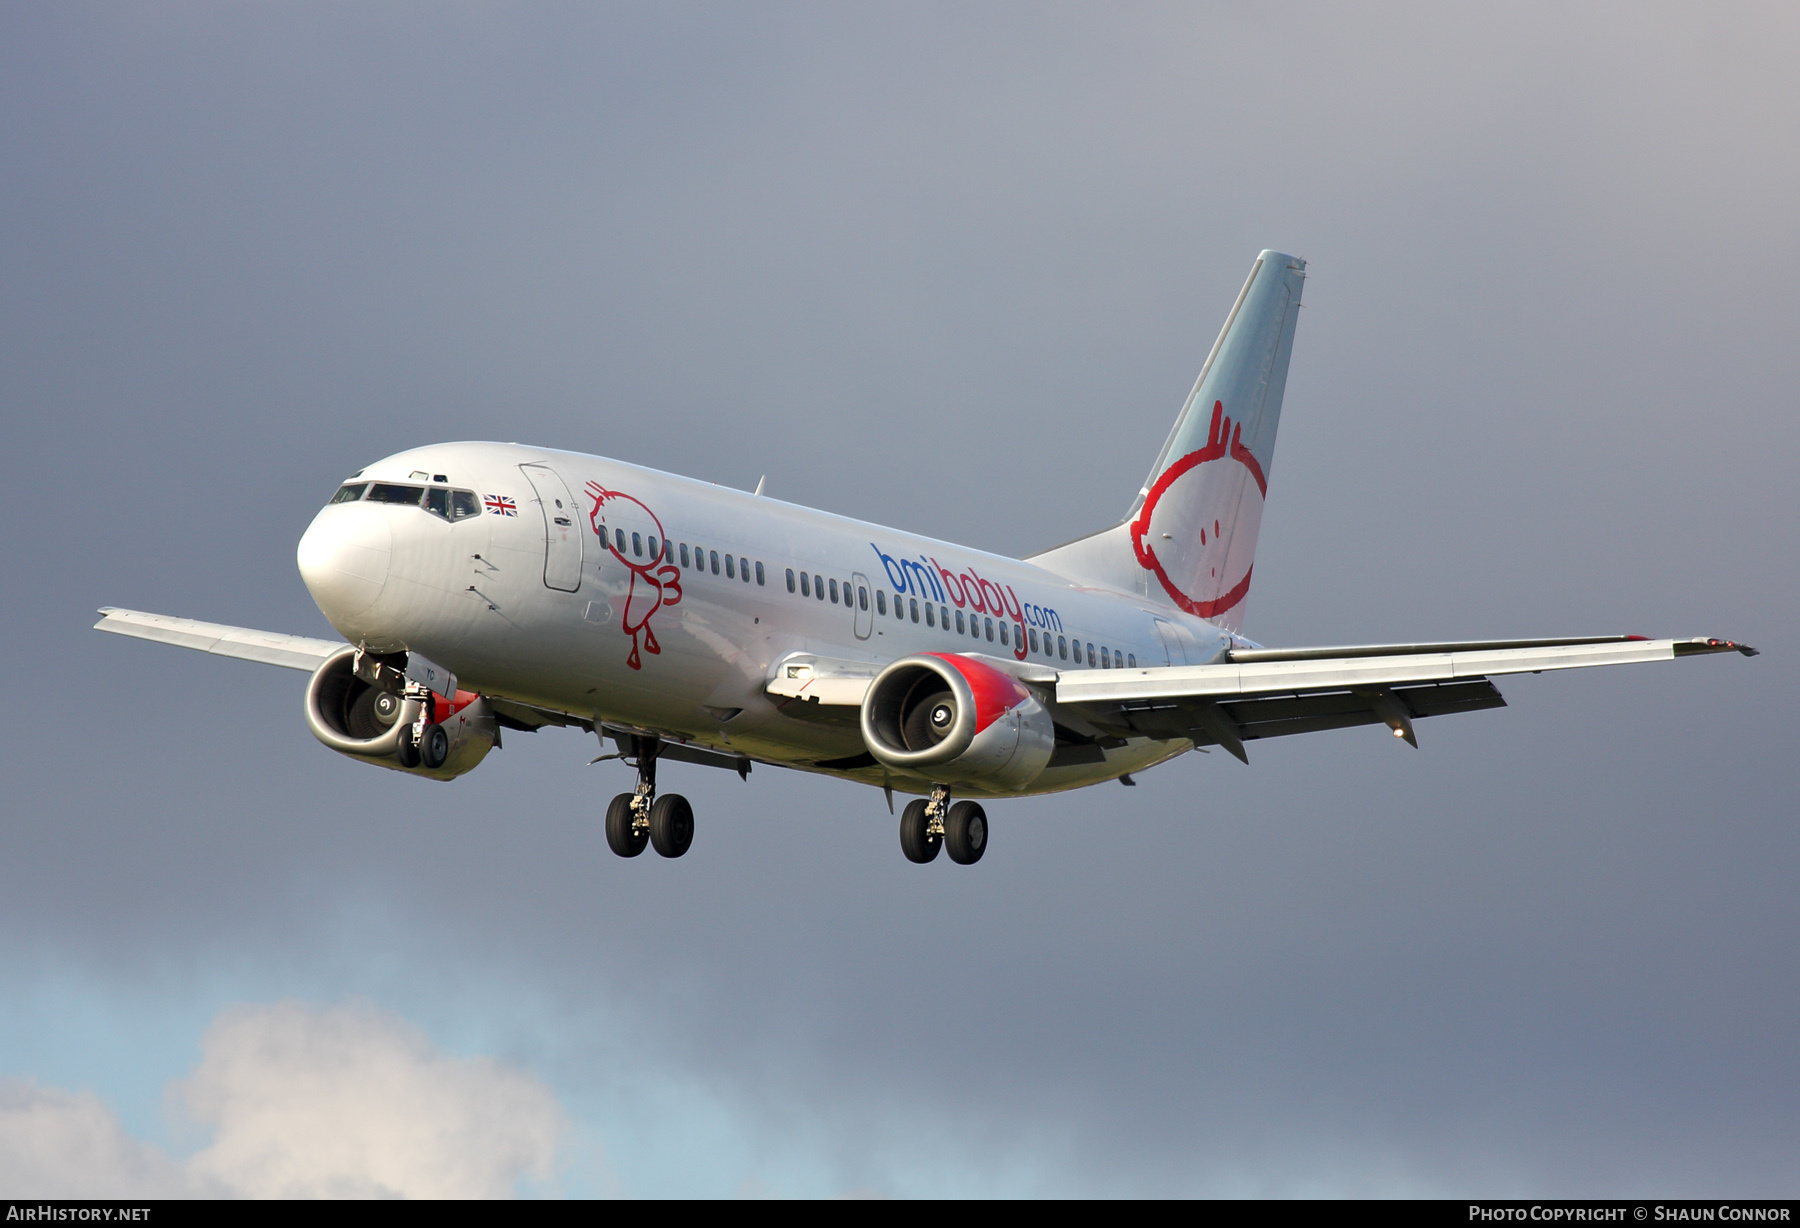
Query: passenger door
point(562, 528)
point(865, 606)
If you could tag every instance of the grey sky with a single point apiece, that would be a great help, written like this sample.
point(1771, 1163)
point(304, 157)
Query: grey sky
point(952, 269)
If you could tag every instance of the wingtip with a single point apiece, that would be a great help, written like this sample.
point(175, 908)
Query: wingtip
point(1690, 647)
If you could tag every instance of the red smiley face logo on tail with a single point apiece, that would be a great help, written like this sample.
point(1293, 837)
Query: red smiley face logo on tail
point(1198, 526)
point(654, 583)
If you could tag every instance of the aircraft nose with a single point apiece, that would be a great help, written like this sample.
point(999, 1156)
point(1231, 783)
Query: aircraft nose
point(343, 558)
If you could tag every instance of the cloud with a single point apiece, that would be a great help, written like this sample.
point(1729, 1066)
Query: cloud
point(62, 1144)
point(301, 1102)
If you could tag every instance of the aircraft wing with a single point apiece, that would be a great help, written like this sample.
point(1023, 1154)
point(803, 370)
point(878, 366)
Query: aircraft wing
point(1270, 692)
point(268, 647)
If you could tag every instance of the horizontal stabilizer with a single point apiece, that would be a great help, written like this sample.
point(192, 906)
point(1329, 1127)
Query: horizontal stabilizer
point(267, 647)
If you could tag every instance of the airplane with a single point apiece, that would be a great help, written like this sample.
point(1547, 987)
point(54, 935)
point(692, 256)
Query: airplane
point(484, 588)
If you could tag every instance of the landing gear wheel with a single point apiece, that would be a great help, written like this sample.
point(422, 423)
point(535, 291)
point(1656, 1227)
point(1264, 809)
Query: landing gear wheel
point(622, 836)
point(965, 833)
point(434, 746)
point(671, 824)
point(405, 751)
point(916, 840)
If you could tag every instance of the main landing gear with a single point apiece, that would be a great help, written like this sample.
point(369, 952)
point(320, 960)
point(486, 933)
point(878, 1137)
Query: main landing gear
point(641, 817)
point(926, 826)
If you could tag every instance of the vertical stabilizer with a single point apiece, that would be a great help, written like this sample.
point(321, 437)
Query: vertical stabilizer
point(1191, 537)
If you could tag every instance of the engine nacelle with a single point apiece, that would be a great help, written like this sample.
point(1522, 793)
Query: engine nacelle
point(950, 719)
point(365, 721)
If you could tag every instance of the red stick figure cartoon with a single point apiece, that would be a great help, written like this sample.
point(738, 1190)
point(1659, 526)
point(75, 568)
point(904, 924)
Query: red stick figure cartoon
point(655, 582)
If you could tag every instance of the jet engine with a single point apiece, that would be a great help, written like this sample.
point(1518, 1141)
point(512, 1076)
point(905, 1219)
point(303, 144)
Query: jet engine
point(366, 715)
point(951, 719)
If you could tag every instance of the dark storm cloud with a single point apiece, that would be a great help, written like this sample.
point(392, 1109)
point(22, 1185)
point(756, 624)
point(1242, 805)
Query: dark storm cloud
point(954, 270)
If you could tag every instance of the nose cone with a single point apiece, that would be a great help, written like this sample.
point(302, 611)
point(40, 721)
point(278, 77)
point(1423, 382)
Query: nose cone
point(344, 558)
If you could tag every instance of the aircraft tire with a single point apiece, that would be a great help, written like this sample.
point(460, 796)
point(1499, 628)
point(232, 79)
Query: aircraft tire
point(406, 751)
point(434, 746)
point(620, 836)
point(916, 840)
point(966, 833)
point(671, 824)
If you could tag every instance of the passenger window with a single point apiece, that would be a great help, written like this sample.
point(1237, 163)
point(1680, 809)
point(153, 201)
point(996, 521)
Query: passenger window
point(1062, 647)
point(715, 562)
point(899, 607)
point(464, 504)
point(990, 629)
point(819, 587)
point(437, 502)
point(881, 601)
point(930, 615)
point(1090, 654)
point(729, 573)
point(914, 603)
point(619, 540)
point(790, 572)
point(805, 585)
point(383, 492)
point(1105, 658)
point(684, 556)
point(1118, 659)
point(944, 615)
point(1033, 634)
point(744, 569)
point(834, 592)
point(637, 544)
point(862, 597)
point(655, 553)
point(1131, 660)
point(960, 628)
point(1018, 635)
point(350, 494)
point(1003, 633)
point(759, 571)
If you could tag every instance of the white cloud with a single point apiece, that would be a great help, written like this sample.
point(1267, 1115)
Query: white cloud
point(302, 1102)
point(62, 1144)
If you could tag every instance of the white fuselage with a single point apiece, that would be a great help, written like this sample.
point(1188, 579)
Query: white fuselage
point(528, 608)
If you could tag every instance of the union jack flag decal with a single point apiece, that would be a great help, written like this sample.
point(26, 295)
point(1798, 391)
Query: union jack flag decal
point(500, 505)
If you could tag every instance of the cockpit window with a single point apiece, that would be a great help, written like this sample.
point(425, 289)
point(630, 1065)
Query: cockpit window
point(350, 493)
point(464, 503)
point(383, 492)
point(437, 502)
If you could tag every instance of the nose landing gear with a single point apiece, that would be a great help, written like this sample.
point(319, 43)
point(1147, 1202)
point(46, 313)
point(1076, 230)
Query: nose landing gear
point(426, 744)
point(641, 817)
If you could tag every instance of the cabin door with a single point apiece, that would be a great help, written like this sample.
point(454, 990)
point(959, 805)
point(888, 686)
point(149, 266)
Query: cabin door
point(562, 532)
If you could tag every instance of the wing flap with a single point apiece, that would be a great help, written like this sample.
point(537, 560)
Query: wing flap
point(1275, 716)
point(244, 643)
point(1279, 716)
